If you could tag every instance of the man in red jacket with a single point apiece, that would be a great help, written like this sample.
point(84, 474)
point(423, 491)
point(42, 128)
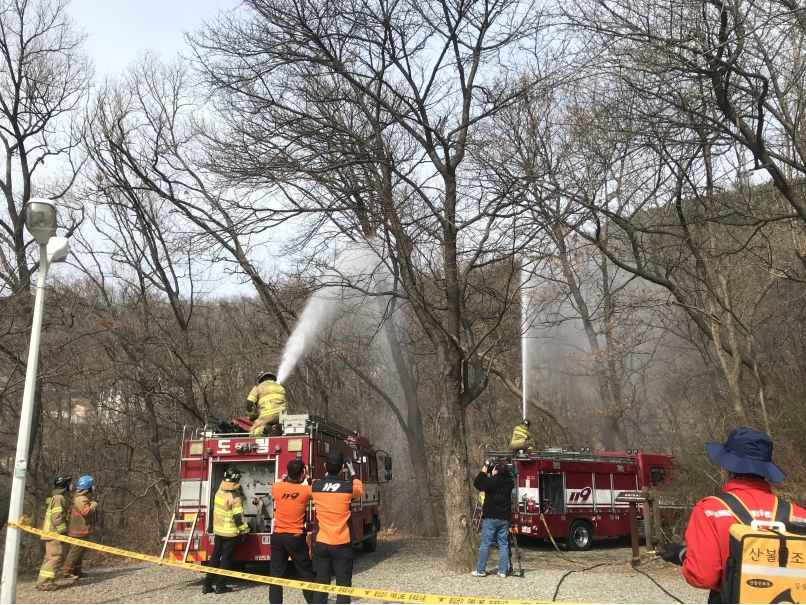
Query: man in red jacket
point(747, 469)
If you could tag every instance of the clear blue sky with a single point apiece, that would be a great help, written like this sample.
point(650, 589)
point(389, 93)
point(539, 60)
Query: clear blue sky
point(120, 29)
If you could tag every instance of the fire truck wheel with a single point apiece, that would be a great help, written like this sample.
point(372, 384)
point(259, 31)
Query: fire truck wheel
point(370, 544)
point(580, 535)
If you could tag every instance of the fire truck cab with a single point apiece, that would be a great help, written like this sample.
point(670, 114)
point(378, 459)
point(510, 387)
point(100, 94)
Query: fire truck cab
point(571, 496)
point(262, 462)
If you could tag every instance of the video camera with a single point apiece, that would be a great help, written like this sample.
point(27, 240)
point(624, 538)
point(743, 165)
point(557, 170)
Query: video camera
point(512, 468)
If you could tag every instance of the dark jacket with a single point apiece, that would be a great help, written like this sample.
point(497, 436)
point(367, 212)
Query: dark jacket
point(497, 496)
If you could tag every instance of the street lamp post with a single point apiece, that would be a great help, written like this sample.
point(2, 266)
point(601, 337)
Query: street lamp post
point(40, 220)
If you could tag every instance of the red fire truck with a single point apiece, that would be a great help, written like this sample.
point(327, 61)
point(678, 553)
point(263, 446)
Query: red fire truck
point(262, 461)
point(577, 491)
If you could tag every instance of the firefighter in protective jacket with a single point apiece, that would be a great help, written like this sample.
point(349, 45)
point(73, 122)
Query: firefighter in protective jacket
point(747, 469)
point(228, 524)
point(522, 438)
point(82, 525)
point(265, 402)
point(55, 521)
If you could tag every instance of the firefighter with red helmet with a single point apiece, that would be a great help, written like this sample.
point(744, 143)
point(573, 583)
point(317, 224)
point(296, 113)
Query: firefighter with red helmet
point(747, 470)
point(55, 521)
point(522, 438)
point(228, 524)
point(265, 402)
point(83, 515)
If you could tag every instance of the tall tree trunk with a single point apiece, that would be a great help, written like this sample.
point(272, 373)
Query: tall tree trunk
point(461, 553)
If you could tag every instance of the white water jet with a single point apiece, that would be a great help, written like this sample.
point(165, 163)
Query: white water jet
point(356, 270)
point(317, 311)
point(525, 324)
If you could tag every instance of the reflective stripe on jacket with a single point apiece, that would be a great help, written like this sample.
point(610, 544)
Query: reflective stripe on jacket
point(521, 436)
point(228, 518)
point(708, 531)
point(82, 515)
point(269, 398)
point(55, 514)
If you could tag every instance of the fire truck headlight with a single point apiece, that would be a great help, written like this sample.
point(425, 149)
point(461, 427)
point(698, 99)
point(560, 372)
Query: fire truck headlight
point(294, 445)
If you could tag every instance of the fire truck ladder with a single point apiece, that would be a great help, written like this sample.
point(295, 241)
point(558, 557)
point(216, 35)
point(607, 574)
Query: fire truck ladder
point(186, 536)
point(321, 428)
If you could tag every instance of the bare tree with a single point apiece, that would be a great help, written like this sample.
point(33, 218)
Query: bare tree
point(43, 81)
point(726, 68)
point(363, 113)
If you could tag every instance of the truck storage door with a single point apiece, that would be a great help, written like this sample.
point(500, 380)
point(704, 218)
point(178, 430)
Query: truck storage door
point(604, 493)
point(624, 482)
point(552, 492)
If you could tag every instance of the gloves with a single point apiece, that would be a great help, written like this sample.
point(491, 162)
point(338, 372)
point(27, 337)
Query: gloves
point(672, 553)
point(349, 464)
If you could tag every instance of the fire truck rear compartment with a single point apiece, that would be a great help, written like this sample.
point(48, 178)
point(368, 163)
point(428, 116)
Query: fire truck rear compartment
point(257, 479)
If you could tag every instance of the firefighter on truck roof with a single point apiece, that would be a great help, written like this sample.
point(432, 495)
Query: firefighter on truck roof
point(228, 524)
point(265, 402)
point(333, 554)
point(291, 497)
point(522, 438)
point(747, 470)
point(55, 521)
point(83, 515)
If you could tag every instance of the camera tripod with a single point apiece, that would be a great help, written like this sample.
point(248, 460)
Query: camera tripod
point(513, 547)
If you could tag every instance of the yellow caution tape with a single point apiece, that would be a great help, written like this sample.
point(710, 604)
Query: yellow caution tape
point(367, 593)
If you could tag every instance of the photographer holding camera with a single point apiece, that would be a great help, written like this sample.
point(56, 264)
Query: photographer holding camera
point(496, 512)
point(334, 534)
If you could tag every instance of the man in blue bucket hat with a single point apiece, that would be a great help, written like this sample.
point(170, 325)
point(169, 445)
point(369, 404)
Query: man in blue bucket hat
point(747, 470)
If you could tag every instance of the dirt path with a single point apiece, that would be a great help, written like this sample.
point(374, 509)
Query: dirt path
point(408, 565)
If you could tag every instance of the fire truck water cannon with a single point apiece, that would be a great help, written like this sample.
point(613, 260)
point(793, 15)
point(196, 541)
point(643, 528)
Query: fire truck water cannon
point(208, 452)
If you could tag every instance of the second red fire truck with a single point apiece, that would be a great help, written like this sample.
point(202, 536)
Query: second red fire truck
point(577, 492)
point(262, 461)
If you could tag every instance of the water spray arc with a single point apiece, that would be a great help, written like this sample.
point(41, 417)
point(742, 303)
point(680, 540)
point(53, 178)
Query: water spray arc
point(524, 336)
point(357, 269)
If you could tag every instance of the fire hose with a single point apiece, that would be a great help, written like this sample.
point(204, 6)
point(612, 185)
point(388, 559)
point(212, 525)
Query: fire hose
point(649, 553)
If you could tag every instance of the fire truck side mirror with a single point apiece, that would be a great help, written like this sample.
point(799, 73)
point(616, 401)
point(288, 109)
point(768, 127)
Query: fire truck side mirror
point(387, 466)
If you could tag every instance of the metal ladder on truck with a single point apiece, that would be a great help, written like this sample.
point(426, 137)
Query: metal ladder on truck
point(186, 536)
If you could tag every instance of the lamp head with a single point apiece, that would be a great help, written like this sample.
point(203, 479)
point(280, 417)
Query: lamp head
point(40, 219)
point(58, 249)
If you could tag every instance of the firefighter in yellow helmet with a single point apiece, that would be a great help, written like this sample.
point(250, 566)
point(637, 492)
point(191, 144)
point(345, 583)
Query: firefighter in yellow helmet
point(265, 402)
point(522, 438)
point(228, 524)
point(55, 521)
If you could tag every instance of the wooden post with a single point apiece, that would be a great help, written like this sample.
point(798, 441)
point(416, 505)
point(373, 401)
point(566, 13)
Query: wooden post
point(634, 499)
point(636, 556)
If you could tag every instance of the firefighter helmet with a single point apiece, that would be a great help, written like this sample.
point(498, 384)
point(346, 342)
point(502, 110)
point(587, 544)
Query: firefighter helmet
point(526, 423)
point(85, 482)
point(232, 474)
point(63, 481)
point(266, 376)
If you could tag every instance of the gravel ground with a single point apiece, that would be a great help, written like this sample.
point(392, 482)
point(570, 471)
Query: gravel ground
point(404, 564)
